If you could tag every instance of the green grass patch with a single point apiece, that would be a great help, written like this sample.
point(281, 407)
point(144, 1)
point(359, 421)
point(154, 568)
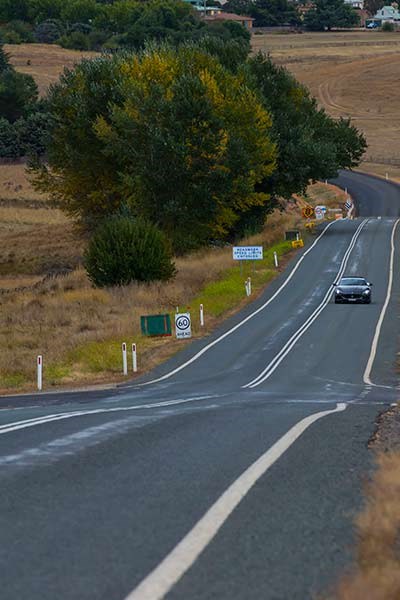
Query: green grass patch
point(221, 296)
point(12, 380)
point(96, 357)
point(218, 297)
point(55, 373)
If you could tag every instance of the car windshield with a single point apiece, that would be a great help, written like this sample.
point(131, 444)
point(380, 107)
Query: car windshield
point(353, 281)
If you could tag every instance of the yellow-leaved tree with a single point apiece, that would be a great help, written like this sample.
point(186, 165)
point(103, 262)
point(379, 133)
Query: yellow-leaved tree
point(168, 133)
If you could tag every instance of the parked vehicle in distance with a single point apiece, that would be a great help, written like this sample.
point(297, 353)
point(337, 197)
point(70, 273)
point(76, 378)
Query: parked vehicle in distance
point(372, 25)
point(353, 289)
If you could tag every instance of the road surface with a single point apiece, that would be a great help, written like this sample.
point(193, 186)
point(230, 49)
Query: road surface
point(234, 470)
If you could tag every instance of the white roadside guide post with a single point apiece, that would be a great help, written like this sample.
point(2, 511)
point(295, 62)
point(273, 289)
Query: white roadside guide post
point(124, 360)
point(247, 284)
point(387, 176)
point(201, 315)
point(39, 363)
point(276, 259)
point(134, 358)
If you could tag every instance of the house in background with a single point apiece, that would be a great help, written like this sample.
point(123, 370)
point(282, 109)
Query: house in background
point(215, 13)
point(387, 14)
point(357, 4)
point(203, 10)
point(225, 16)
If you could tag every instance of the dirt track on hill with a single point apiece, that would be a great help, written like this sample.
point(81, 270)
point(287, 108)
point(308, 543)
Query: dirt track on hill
point(352, 74)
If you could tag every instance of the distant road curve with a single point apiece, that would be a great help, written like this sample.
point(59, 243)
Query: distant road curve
point(373, 196)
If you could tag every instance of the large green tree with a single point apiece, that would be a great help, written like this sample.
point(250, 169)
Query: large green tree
point(310, 144)
point(170, 132)
point(18, 92)
point(267, 13)
point(372, 6)
point(327, 14)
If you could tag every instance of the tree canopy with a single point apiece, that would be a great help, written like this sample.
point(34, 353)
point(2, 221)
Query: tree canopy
point(200, 140)
point(23, 120)
point(267, 13)
point(327, 14)
point(170, 132)
point(311, 145)
point(93, 25)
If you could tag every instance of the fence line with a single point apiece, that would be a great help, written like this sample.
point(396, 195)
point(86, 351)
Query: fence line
point(382, 160)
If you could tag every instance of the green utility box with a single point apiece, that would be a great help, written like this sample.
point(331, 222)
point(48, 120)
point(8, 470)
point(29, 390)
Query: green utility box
point(156, 325)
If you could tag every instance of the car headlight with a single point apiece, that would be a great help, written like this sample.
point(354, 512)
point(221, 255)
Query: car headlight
point(337, 291)
point(367, 292)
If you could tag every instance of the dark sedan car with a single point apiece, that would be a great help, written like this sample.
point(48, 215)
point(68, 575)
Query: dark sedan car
point(353, 289)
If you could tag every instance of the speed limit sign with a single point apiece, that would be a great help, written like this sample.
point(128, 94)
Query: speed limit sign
point(183, 326)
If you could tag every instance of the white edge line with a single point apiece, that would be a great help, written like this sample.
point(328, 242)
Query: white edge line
point(160, 581)
point(375, 341)
point(284, 351)
point(253, 314)
point(17, 425)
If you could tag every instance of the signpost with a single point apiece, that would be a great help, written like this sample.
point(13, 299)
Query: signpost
point(247, 252)
point(349, 206)
point(320, 211)
point(307, 212)
point(183, 326)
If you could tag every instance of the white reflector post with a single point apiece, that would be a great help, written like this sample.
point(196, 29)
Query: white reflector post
point(276, 259)
point(124, 360)
point(247, 285)
point(201, 315)
point(39, 372)
point(134, 358)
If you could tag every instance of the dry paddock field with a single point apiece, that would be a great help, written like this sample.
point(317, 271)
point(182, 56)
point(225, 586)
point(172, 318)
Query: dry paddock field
point(352, 74)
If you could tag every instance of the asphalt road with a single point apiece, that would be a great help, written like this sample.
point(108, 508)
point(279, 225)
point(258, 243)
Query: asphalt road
point(234, 470)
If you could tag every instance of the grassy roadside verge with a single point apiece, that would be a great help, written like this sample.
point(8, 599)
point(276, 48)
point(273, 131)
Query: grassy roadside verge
point(79, 329)
point(376, 573)
point(48, 306)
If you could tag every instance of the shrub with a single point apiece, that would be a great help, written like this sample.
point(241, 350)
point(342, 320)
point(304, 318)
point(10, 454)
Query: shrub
point(17, 32)
point(75, 41)
point(123, 250)
point(33, 132)
point(49, 31)
point(387, 26)
point(9, 141)
point(18, 93)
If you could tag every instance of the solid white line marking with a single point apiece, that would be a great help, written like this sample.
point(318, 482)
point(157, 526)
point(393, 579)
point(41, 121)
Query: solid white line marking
point(253, 314)
point(374, 347)
point(160, 581)
point(276, 361)
point(17, 425)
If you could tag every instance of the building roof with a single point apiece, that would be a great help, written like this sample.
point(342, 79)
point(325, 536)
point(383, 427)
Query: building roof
point(225, 16)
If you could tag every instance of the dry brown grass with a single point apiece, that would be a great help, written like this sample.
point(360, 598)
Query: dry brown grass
point(44, 62)
point(377, 576)
point(77, 327)
point(37, 241)
point(352, 74)
point(326, 194)
point(15, 185)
